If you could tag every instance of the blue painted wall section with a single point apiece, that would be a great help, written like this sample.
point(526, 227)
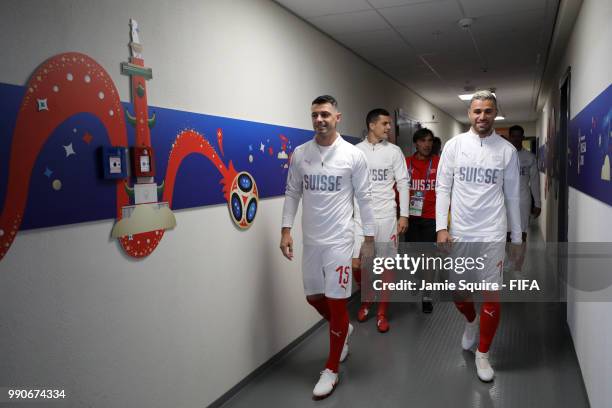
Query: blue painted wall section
point(590, 148)
point(66, 186)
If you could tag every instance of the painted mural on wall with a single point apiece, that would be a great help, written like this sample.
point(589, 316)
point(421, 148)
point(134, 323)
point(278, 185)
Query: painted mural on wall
point(590, 148)
point(547, 154)
point(54, 127)
point(542, 157)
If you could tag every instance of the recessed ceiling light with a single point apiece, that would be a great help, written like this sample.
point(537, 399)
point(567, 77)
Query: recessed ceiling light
point(468, 97)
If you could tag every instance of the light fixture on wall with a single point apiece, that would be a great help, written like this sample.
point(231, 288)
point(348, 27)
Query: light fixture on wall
point(500, 117)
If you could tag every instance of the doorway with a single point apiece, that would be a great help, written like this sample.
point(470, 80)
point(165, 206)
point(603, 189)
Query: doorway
point(562, 157)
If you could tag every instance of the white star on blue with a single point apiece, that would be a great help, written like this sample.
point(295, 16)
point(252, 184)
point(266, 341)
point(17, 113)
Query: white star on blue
point(69, 150)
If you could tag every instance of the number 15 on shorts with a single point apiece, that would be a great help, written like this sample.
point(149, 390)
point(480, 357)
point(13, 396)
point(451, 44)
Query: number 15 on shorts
point(344, 274)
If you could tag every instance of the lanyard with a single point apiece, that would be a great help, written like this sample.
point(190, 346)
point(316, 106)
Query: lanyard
point(426, 174)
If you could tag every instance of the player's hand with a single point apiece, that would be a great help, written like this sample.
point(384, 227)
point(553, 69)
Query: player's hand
point(536, 212)
point(286, 243)
point(444, 240)
point(443, 237)
point(402, 225)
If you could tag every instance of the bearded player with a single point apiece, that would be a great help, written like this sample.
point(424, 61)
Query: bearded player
point(478, 177)
point(326, 173)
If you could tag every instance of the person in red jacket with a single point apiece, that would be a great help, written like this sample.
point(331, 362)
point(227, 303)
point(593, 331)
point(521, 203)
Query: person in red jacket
point(422, 168)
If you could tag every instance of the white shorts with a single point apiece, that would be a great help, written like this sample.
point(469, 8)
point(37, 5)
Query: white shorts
point(525, 213)
point(490, 250)
point(327, 269)
point(525, 210)
point(386, 238)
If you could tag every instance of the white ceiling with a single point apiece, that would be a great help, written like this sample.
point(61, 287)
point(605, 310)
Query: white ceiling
point(420, 44)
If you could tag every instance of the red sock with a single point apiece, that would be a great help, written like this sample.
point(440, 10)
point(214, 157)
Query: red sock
point(319, 302)
point(367, 303)
point(366, 291)
point(382, 307)
point(338, 329)
point(466, 308)
point(383, 304)
point(489, 319)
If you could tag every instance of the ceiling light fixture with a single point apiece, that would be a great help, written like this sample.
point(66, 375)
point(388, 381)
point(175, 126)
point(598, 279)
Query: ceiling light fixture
point(465, 23)
point(500, 117)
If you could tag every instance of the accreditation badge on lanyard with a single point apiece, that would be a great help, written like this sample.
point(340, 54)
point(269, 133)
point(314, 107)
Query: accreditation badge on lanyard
point(417, 198)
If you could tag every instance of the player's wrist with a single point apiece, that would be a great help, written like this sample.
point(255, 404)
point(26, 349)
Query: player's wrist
point(368, 238)
point(285, 230)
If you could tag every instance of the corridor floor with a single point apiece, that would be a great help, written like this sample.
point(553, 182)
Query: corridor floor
point(420, 363)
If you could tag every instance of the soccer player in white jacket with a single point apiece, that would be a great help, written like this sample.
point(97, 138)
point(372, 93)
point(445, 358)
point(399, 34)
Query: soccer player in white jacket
point(530, 179)
point(478, 177)
point(326, 173)
point(387, 168)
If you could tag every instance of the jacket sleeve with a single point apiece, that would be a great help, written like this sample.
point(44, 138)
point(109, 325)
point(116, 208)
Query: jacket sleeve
point(402, 180)
point(444, 185)
point(293, 190)
point(512, 197)
point(363, 194)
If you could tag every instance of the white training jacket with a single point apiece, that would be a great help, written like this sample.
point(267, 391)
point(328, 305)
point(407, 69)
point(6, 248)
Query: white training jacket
point(327, 178)
point(478, 178)
point(387, 166)
point(530, 178)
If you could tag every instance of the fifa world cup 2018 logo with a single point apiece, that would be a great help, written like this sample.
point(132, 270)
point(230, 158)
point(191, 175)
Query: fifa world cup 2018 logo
point(239, 187)
point(244, 200)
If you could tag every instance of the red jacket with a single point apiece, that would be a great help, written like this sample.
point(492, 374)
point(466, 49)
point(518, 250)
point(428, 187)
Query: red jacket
point(417, 169)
